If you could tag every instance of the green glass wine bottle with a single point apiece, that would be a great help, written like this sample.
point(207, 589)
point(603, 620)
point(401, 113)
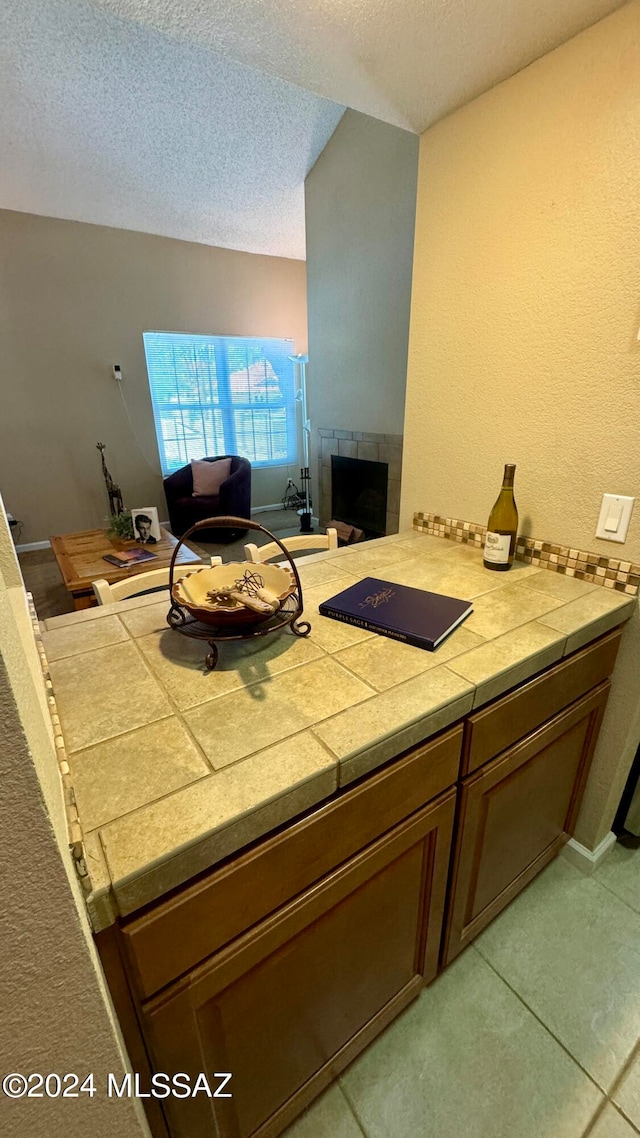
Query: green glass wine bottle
point(502, 527)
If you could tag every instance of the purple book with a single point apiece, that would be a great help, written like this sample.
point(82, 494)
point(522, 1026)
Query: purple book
point(412, 615)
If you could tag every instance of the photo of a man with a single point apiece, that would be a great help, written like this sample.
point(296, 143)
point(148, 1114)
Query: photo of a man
point(146, 527)
point(143, 530)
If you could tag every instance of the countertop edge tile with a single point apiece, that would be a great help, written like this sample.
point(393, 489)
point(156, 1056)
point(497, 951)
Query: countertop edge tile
point(515, 672)
point(358, 763)
point(582, 636)
point(153, 880)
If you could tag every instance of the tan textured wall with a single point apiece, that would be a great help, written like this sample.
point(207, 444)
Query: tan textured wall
point(75, 299)
point(360, 214)
point(56, 1015)
point(525, 309)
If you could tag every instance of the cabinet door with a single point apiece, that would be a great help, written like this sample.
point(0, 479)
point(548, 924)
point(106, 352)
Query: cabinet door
point(287, 1006)
point(516, 813)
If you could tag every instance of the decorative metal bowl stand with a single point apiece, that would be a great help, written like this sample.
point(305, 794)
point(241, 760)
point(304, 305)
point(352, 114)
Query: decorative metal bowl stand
point(181, 620)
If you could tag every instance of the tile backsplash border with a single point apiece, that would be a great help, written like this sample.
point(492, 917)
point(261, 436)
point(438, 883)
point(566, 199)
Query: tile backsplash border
point(611, 572)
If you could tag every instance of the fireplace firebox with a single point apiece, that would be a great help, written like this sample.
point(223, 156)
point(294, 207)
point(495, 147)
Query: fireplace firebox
point(359, 493)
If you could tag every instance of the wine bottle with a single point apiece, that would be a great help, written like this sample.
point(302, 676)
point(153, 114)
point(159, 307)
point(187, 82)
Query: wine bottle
point(502, 528)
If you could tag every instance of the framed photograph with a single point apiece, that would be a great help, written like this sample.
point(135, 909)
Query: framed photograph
point(146, 527)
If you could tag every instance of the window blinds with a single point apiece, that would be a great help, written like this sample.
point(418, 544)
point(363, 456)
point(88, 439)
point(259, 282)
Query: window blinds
point(222, 395)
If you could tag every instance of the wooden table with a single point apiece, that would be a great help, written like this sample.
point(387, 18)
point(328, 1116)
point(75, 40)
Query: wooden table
point(80, 557)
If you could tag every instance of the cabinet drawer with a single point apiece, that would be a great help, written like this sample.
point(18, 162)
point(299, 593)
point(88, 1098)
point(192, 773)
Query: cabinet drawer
point(176, 934)
point(492, 730)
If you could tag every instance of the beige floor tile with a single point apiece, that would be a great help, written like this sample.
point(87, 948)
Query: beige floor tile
point(464, 554)
point(122, 774)
point(442, 573)
point(330, 1116)
point(364, 561)
point(63, 642)
point(330, 635)
point(99, 612)
point(369, 734)
point(583, 619)
point(620, 872)
point(559, 585)
point(320, 572)
point(468, 1060)
point(508, 660)
point(418, 543)
point(188, 831)
point(178, 662)
point(508, 607)
point(383, 662)
point(104, 693)
point(571, 950)
point(147, 619)
point(247, 720)
point(611, 1124)
point(627, 1095)
point(333, 635)
point(316, 594)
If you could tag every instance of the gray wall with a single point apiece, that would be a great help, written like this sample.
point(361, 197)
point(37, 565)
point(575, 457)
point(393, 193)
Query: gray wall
point(75, 299)
point(360, 211)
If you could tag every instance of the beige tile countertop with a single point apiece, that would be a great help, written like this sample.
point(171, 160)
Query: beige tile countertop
point(174, 768)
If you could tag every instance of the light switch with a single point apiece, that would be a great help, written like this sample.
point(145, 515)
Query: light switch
point(615, 515)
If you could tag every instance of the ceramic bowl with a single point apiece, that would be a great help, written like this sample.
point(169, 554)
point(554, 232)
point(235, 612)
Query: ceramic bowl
point(191, 591)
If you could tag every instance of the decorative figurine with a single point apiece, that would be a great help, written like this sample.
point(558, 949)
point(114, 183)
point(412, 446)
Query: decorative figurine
point(116, 505)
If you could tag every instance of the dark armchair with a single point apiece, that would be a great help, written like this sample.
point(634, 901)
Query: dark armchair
point(234, 498)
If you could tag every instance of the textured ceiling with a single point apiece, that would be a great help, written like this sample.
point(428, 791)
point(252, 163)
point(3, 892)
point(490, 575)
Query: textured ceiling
point(200, 119)
point(406, 61)
point(111, 122)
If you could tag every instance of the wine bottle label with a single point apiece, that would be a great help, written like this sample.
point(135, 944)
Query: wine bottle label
point(496, 547)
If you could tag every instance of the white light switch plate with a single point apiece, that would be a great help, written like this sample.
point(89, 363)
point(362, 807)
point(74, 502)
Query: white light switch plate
point(615, 515)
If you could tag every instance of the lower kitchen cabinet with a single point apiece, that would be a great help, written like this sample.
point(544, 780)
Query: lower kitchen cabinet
point(286, 1006)
point(282, 963)
point(515, 813)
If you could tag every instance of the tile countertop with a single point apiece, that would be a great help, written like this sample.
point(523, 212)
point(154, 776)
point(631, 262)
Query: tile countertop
point(174, 768)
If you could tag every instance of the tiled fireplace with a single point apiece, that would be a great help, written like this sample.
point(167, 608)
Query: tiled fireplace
point(364, 445)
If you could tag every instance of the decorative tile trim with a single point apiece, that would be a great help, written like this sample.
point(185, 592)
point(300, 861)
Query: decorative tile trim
point(74, 829)
point(623, 576)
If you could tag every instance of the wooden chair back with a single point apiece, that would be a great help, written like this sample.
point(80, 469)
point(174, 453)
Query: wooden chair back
point(155, 579)
point(315, 541)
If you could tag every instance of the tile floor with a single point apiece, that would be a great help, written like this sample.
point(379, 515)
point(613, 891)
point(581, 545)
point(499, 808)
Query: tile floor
point(534, 1032)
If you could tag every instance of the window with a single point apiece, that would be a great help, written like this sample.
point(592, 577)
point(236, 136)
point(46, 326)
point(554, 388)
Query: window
point(222, 395)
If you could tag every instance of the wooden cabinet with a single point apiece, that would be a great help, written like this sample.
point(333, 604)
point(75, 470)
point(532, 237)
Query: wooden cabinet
point(283, 963)
point(286, 1006)
point(515, 813)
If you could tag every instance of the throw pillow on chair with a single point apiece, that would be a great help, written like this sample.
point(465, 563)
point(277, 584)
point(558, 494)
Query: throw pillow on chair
point(209, 476)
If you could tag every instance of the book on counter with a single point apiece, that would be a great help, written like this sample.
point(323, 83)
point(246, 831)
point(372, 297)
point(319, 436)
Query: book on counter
point(415, 616)
point(127, 557)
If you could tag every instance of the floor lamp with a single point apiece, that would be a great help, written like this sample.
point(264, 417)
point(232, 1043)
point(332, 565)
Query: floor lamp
point(301, 397)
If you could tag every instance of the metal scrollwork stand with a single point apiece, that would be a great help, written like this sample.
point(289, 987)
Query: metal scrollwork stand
point(181, 620)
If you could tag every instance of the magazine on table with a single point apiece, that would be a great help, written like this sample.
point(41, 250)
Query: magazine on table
point(125, 558)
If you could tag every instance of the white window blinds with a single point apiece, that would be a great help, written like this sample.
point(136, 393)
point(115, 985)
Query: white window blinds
point(222, 395)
